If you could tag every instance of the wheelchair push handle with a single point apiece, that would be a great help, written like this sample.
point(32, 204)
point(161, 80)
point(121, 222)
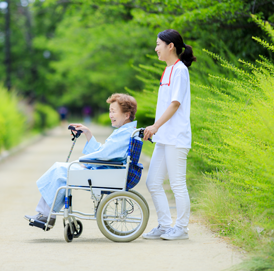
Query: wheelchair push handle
point(141, 134)
point(75, 135)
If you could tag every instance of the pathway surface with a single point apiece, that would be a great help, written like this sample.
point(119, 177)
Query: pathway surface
point(26, 248)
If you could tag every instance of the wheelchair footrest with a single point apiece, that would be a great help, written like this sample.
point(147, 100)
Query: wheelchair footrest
point(39, 224)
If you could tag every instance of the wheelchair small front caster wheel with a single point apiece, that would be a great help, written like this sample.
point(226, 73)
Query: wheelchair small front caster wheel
point(78, 232)
point(67, 233)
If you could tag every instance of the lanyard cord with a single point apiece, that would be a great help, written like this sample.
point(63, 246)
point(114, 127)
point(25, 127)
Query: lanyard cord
point(161, 84)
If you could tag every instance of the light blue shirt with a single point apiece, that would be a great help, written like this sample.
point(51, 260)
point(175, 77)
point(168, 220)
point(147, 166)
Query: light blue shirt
point(115, 147)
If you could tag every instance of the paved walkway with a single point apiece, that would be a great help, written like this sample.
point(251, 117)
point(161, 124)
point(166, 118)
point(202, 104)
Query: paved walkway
point(26, 248)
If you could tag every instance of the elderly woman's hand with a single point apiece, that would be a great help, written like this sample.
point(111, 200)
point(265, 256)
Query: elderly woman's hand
point(150, 131)
point(86, 131)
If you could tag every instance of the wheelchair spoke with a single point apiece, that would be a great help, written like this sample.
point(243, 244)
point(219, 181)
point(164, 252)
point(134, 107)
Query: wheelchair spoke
point(123, 221)
point(122, 216)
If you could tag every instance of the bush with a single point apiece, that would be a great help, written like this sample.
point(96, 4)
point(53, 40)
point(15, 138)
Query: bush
point(45, 117)
point(11, 120)
point(244, 160)
point(103, 119)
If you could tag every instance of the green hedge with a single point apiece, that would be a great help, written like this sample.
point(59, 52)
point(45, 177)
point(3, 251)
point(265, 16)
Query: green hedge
point(242, 153)
point(104, 119)
point(45, 117)
point(11, 120)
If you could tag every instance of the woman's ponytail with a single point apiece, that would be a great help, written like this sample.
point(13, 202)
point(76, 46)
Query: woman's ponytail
point(187, 56)
point(171, 35)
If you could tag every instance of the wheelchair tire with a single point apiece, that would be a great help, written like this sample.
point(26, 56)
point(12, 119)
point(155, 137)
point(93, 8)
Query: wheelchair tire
point(122, 226)
point(110, 228)
point(78, 232)
point(67, 233)
point(142, 197)
point(120, 233)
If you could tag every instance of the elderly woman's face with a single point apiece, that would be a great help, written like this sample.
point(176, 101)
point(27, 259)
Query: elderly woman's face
point(117, 117)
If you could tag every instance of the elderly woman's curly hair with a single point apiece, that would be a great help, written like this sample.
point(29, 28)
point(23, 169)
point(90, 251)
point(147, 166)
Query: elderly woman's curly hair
point(126, 102)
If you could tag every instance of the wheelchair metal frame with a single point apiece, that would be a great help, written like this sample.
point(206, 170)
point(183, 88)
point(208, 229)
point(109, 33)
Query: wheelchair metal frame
point(70, 215)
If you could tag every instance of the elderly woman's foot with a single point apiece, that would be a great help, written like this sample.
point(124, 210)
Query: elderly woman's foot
point(41, 218)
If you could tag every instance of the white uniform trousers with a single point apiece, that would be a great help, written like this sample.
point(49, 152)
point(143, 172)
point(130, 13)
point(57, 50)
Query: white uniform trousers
point(171, 161)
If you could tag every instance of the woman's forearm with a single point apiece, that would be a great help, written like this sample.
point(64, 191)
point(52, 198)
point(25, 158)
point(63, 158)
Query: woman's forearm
point(170, 111)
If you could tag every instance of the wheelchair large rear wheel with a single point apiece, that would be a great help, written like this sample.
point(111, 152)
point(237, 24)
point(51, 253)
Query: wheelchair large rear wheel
point(142, 197)
point(122, 216)
point(112, 229)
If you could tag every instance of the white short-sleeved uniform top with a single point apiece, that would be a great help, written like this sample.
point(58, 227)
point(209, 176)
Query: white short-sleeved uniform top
point(176, 131)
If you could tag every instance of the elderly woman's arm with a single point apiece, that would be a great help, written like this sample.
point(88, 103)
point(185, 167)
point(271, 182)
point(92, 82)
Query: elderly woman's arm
point(115, 147)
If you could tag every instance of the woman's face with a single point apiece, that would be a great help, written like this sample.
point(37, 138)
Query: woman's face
point(163, 50)
point(117, 117)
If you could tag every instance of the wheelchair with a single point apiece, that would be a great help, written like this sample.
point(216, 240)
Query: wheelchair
point(121, 213)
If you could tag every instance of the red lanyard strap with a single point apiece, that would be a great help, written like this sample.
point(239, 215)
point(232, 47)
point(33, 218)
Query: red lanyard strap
point(161, 84)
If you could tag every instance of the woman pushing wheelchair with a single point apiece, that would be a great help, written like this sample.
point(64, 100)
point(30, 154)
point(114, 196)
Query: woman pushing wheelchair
point(172, 132)
point(122, 110)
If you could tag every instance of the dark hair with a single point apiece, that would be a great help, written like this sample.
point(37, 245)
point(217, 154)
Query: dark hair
point(126, 102)
point(173, 36)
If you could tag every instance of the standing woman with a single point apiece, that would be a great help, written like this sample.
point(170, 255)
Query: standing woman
point(172, 134)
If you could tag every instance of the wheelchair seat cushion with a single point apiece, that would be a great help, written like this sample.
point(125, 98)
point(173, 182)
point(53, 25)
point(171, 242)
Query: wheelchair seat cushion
point(134, 175)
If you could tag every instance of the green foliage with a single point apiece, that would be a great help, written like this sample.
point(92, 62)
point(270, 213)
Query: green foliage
point(263, 261)
point(45, 117)
point(148, 148)
point(81, 51)
point(103, 119)
point(11, 120)
point(244, 159)
point(92, 58)
point(212, 23)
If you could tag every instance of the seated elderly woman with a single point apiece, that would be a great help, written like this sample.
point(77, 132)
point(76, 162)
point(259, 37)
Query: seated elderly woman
point(122, 111)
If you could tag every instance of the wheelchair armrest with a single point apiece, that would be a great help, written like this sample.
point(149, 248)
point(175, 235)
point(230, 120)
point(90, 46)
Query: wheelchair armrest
point(101, 162)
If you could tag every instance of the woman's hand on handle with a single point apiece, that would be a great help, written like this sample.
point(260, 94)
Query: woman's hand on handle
point(86, 130)
point(153, 129)
point(150, 131)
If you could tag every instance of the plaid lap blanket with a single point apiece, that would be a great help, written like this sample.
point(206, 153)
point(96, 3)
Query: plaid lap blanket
point(134, 150)
point(134, 175)
point(135, 168)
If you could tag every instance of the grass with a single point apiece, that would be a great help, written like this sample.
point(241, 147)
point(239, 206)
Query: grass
point(220, 212)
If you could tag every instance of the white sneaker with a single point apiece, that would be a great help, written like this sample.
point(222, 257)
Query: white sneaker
point(174, 233)
point(155, 233)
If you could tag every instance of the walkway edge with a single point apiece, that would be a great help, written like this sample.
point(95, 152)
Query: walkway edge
point(8, 153)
